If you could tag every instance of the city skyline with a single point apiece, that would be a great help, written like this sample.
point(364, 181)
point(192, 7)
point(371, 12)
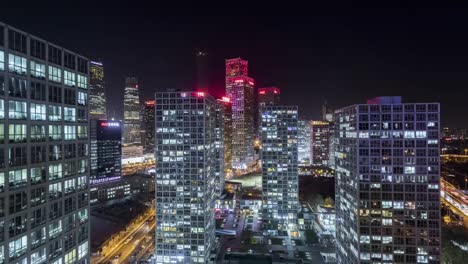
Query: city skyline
point(373, 52)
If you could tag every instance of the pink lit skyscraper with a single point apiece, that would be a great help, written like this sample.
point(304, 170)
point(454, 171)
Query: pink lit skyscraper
point(240, 89)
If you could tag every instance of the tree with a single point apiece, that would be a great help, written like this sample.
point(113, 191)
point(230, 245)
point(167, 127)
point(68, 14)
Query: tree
point(329, 202)
point(311, 237)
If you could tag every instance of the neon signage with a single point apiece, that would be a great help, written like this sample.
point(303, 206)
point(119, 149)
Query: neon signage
point(110, 124)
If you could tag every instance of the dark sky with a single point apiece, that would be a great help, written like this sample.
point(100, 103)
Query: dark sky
point(344, 53)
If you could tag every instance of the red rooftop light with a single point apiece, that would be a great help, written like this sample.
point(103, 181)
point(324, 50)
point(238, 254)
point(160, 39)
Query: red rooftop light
point(150, 103)
point(200, 94)
point(262, 92)
point(226, 99)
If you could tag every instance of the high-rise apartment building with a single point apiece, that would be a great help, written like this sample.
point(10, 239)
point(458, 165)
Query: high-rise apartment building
point(266, 96)
point(226, 105)
point(97, 93)
point(186, 154)
point(320, 133)
point(387, 182)
point(304, 143)
point(44, 203)
point(279, 166)
point(132, 122)
point(240, 89)
point(148, 126)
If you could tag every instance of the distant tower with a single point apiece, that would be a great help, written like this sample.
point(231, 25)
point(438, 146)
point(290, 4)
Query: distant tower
point(320, 136)
point(97, 93)
point(225, 102)
point(327, 112)
point(148, 123)
point(132, 120)
point(240, 89)
point(203, 77)
point(266, 96)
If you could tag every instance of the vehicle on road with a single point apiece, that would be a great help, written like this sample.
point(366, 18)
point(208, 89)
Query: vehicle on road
point(228, 249)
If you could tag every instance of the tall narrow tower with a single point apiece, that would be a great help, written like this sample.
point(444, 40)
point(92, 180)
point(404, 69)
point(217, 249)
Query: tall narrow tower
point(240, 89)
point(279, 166)
point(187, 154)
point(132, 120)
point(97, 93)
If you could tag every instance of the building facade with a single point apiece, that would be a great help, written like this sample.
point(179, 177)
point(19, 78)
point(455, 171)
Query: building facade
point(266, 96)
point(186, 154)
point(148, 126)
point(44, 203)
point(132, 121)
point(304, 143)
point(387, 182)
point(226, 105)
point(240, 89)
point(97, 91)
point(320, 132)
point(279, 166)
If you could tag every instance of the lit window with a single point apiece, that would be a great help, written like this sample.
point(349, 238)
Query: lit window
point(70, 132)
point(2, 60)
point(17, 133)
point(17, 64)
point(55, 113)
point(82, 98)
point(420, 134)
point(18, 247)
point(55, 132)
point(83, 250)
point(69, 78)
point(38, 70)
point(410, 170)
point(69, 114)
point(55, 172)
point(2, 109)
point(55, 74)
point(17, 110)
point(38, 111)
point(17, 178)
point(82, 81)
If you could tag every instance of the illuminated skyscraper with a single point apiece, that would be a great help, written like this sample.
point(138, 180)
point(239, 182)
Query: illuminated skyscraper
point(148, 123)
point(240, 89)
point(106, 150)
point(226, 105)
point(304, 144)
point(132, 122)
point(97, 93)
point(186, 176)
point(44, 142)
point(388, 182)
point(320, 132)
point(279, 166)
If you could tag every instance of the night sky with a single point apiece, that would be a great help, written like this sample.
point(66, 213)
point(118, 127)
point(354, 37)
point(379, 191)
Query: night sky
point(343, 53)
